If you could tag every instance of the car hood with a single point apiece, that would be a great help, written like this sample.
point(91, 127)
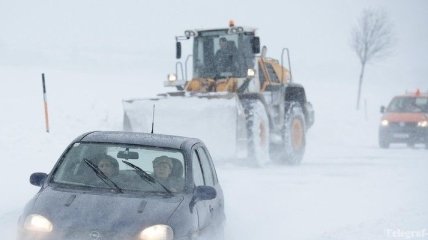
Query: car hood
point(105, 211)
point(405, 117)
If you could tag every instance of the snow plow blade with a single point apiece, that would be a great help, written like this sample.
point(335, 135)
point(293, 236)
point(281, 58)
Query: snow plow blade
point(218, 119)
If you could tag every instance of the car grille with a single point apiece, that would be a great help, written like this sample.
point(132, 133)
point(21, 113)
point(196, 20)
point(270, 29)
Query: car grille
point(405, 130)
point(94, 235)
point(403, 124)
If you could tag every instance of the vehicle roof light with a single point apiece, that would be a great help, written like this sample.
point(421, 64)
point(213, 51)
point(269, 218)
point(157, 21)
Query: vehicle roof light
point(236, 30)
point(418, 93)
point(231, 23)
point(189, 33)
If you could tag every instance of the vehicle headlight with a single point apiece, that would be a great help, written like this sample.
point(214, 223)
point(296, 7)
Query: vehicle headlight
point(251, 72)
point(423, 124)
point(38, 223)
point(172, 77)
point(384, 123)
point(157, 232)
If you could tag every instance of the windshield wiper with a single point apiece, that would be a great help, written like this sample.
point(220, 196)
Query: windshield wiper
point(144, 175)
point(102, 176)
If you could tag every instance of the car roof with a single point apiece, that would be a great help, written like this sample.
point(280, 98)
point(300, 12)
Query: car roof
point(147, 139)
point(413, 96)
point(245, 29)
point(416, 94)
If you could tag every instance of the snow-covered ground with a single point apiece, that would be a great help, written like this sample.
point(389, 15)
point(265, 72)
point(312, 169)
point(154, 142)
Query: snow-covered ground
point(346, 187)
point(331, 196)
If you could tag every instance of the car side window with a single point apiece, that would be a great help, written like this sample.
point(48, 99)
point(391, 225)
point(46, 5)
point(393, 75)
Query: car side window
point(212, 166)
point(206, 167)
point(198, 176)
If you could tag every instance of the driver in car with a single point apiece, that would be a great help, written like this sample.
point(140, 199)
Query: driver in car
point(108, 165)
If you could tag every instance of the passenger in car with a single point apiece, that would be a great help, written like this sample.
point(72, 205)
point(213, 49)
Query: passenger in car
point(165, 172)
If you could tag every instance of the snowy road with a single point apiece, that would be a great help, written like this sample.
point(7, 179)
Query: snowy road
point(373, 195)
point(346, 187)
point(378, 194)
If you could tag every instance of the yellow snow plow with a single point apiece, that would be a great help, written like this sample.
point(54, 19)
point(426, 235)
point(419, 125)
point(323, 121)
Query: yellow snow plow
point(242, 104)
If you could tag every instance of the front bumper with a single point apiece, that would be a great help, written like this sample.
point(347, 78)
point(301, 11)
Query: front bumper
point(403, 133)
point(75, 235)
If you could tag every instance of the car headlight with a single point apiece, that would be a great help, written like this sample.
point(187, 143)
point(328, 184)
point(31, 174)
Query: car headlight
point(384, 123)
point(38, 223)
point(157, 232)
point(423, 124)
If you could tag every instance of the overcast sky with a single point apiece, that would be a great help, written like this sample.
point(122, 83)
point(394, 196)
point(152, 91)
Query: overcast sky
point(137, 37)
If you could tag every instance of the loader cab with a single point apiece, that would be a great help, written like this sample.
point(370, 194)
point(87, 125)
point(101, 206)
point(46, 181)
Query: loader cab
point(210, 59)
point(222, 53)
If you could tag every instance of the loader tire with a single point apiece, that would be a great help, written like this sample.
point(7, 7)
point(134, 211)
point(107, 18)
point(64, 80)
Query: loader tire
point(293, 134)
point(258, 133)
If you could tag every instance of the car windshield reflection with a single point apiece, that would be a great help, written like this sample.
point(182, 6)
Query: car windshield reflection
point(119, 168)
point(408, 104)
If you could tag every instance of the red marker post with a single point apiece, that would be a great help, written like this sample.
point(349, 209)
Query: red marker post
point(45, 100)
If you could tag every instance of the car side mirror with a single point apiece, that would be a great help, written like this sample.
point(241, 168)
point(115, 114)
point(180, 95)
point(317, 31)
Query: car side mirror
point(38, 178)
point(256, 45)
point(178, 50)
point(202, 193)
point(382, 109)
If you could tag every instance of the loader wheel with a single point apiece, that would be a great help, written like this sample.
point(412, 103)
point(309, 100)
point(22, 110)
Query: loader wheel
point(257, 133)
point(297, 133)
point(293, 145)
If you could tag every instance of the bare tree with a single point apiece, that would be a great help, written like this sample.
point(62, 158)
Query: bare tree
point(372, 40)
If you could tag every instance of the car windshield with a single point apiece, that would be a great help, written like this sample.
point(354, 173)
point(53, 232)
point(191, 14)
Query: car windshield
point(408, 104)
point(121, 168)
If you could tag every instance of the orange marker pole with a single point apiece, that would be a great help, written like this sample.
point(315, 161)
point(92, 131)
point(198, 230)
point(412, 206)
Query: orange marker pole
point(45, 100)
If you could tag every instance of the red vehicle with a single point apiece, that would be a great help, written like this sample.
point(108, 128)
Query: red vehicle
point(405, 120)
